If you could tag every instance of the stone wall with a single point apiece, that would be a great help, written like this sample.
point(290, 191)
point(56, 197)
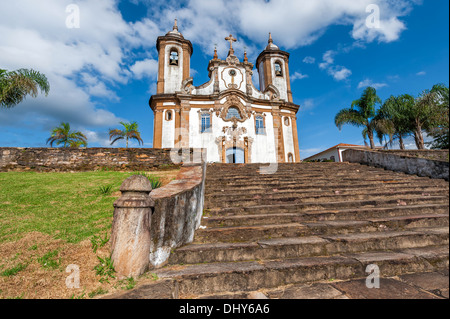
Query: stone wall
point(407, 164)
point(148, 224)
point(83, 159)
point(178, 212)
point(436, 155)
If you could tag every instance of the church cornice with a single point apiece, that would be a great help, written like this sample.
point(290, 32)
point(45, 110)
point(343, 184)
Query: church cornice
point(167, 38)
point(270, 53)
point(178, 98)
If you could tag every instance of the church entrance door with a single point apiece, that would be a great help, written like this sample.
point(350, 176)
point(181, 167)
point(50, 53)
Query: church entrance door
point(235, 155)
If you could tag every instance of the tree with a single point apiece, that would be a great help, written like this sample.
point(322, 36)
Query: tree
point(131, 131)
point(426, 114)
point(63, 135)
point(363, 113)
point(15, 86)
point(439, 130)
point(395, 112)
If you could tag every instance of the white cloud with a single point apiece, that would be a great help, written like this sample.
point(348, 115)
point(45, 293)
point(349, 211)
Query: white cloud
point(368, 82)
point(147, 68)
point(309, 60)
point(338, 72)
point(298, 76)
point(421, 73)
point(328, 59)
point(81, 64)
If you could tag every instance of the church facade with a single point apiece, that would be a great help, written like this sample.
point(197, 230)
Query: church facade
point(228, 116)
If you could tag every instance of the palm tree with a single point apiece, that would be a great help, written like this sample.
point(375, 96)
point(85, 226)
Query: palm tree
point(130, 131)
point(363, 114)
point(394, 112)
point(63, 135)
point(439, 130)
point(424, 115)
point(16, 85)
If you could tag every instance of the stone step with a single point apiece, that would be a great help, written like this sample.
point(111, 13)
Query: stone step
point(296, 247)
point(324, 196)
point(252, 275)
point(325, 181)
point(238, 176)
point(347, 179)
point(221, 196)
point(315, 228)
point(343, 214)
point(322, 205)
point(312, 186)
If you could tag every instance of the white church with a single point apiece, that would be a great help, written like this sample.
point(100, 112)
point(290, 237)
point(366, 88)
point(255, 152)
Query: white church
point(228, 116)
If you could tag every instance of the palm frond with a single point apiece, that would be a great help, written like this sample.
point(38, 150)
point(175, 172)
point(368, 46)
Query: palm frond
point(349, 116)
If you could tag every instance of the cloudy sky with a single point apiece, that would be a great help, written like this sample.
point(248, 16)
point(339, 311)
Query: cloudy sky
point(103, 70)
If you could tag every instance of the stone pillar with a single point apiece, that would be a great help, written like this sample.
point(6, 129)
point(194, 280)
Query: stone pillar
point(131, 235)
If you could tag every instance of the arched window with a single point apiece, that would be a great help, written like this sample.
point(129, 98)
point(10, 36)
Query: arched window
point(233, 112)
point(290, 158)
point(168, 115)
point(173, 57)
point(278, 69)
point(260, 130)
point(206, 123)
point(287, 122)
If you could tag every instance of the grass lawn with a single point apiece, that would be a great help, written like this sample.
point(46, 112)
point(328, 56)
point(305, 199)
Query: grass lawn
point(51, 220)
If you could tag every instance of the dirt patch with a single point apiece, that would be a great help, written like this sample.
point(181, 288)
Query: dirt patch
point(39, 281)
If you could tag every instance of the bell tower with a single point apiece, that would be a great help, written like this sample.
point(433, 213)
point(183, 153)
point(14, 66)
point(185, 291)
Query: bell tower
point(273, 68)
point(174, 59)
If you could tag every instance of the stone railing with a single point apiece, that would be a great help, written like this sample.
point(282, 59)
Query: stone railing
point(148, 224)
point(407, 164)
point(84, 159)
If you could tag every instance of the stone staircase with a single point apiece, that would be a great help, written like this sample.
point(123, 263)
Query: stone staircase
point(307, 223)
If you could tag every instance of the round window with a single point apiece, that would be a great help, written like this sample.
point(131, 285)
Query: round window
point(232, 72)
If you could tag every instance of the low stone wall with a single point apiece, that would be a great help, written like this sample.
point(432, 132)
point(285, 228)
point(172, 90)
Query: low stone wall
point(178, 212)
point(436, 155)
point(143, 237)
point(407, 164)
point(84, 159)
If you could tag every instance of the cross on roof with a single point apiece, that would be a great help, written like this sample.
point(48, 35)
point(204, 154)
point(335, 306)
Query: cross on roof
point(231, 40)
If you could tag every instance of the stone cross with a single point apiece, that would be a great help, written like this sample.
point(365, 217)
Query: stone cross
point(231, 40)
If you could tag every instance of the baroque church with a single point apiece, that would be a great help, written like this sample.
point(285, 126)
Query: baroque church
point(228, 116)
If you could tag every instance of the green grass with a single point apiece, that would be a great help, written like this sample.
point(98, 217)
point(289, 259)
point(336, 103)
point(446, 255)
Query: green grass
point(50, 260)
point(13, 271)
point(68, 206)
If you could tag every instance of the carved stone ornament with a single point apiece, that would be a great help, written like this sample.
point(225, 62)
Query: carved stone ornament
point(235, 102)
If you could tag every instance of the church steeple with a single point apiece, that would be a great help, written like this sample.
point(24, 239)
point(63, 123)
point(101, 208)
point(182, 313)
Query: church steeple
point(174, 60)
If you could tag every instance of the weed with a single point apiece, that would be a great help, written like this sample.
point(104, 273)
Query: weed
point(130, 283)
point(99, 291)
point(154, 180)
point(13, 271)
point(49, 261)
point(83, 294)
point(105, 269)
point(105, 190)
point(154, 276)
point(34, 247)
point(98, 242)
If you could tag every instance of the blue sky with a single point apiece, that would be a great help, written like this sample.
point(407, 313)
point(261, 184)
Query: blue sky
point(105, 71)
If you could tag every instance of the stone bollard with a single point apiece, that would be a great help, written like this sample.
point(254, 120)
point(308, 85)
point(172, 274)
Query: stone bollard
point(131, 235)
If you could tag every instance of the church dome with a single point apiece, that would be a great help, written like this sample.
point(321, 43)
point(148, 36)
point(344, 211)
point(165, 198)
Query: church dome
point(175, 32)
point(271, 45)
